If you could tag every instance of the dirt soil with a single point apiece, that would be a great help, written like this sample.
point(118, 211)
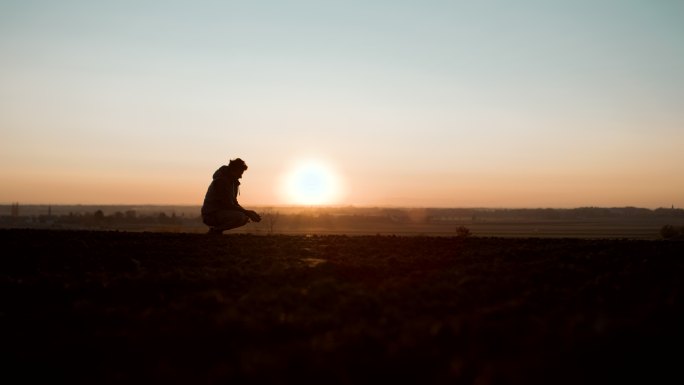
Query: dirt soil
point(121, 308)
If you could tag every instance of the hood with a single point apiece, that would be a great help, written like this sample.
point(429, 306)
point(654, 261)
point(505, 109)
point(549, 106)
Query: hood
point(222, 172)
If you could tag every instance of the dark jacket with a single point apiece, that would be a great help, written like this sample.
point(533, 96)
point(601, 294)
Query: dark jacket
point(222, 193)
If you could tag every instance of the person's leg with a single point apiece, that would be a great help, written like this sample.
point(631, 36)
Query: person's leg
point(225, 220)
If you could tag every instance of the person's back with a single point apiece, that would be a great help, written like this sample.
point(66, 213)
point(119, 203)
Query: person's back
point(221, 210)
point(222, 192)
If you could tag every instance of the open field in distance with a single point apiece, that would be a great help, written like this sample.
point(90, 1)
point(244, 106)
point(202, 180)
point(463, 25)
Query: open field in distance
point(591, 222)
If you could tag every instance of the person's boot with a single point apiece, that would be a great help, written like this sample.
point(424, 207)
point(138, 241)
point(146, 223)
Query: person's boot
point(214, 231)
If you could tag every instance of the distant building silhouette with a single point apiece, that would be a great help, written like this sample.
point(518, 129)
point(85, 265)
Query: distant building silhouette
point(15, 210)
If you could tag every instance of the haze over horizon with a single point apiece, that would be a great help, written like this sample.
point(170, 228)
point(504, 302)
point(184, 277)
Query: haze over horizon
point(367, 103)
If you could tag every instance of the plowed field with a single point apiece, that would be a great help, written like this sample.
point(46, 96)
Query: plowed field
point(121, 308)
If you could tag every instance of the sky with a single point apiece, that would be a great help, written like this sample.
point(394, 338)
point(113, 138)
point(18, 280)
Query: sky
point(419, 103)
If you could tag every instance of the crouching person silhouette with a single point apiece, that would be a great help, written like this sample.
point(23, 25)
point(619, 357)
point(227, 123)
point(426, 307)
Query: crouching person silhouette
point(221, 210)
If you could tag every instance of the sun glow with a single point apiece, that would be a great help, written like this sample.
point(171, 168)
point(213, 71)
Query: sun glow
point(312, 183)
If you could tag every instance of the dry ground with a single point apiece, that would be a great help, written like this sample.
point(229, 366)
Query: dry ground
point(116, 307)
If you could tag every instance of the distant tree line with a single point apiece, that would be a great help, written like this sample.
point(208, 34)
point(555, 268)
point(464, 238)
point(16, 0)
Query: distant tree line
point(99, 219)
point(342, 218)
point(560, 214)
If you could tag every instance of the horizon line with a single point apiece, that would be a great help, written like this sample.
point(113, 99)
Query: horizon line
point(337, 206)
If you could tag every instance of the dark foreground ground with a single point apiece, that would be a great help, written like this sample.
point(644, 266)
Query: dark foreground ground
point(108, 307)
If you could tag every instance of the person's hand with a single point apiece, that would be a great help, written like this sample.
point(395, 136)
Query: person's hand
point(253, 216)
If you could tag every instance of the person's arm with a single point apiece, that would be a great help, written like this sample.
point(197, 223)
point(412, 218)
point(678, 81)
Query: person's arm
point(250, 213)
point(233, 197)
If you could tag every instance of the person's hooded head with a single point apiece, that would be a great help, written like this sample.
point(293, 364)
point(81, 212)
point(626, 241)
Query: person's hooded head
point(233, 170)
point(236, 167)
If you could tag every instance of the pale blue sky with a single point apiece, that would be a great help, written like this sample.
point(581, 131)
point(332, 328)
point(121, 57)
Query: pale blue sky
point(418, 103)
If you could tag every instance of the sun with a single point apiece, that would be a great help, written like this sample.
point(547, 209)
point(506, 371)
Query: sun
point(312, 183)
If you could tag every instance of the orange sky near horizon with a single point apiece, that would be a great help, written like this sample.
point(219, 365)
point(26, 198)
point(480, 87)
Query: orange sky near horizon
point(409, 103)
point(262, 190)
